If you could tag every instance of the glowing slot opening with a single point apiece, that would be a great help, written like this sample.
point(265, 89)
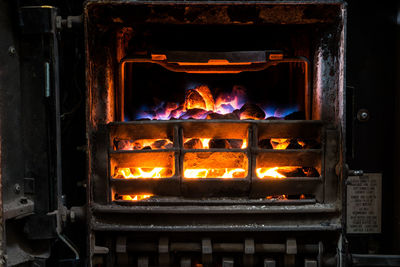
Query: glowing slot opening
point(131, 173)
point(215, 173)
point(136, 197)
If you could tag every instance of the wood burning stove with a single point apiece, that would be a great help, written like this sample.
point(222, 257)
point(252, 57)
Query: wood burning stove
point(211, 159)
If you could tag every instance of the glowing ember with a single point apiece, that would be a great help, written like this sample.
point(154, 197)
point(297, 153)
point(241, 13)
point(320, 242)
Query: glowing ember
point(280, 143)
point(215, 173)
point(140, 144)
point(302, 143)
point(244, 145)
point(199, 103)
point(271, 172)
point(280, 197)
point(205, 142)
point(226, 103)
point(135, 197)
point(276, 172)
point(131, 173)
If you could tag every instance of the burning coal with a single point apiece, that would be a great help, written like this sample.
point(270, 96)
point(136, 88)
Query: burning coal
point(199, 103)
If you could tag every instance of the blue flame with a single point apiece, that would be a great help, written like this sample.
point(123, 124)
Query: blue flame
point(280, 112)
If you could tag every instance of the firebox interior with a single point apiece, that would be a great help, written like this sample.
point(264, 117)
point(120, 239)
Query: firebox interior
point(278, 90)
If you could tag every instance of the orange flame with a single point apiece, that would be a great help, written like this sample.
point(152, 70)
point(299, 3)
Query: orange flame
point(215, 173)
point(205, 142)
point(275, 172)
point(136, 197)
point(269, 172)
point(244, 144)
point(131, 173)
point(280, 197)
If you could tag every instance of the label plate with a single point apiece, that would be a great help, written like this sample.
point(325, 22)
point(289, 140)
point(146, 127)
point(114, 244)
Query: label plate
point(364, 194)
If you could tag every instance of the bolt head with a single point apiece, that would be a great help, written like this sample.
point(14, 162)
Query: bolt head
point(364, 115)
point(17, 188)
point(12, 51)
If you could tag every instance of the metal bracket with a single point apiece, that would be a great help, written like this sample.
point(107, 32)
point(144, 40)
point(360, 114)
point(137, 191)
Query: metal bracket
point(143, 261)
point(120, 246)
point(186, 262)
point(206, 249)
point(249, 250)
point(100, 250)
point(18, 208)
point(163, 250)
point(228, 262)
point(269, 263)
point(69, 22)
point(291, 246)
point(310, 263)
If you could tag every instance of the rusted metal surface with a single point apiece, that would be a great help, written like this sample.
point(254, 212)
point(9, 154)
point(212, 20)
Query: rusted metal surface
point(215, 12)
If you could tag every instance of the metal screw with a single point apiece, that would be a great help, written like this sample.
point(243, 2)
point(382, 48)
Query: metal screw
point(364, 115)
point(12, 51)
point(17, 188)
point(72, 216)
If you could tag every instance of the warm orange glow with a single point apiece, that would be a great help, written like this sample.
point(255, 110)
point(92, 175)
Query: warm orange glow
point(136, 197)
point(200, 102)
point(216, 62)
point(215, 173)
point(280, 197)
point(280, 143)
point(275, 172)
point(276, 56)
point(158, 57)
point(140, 144)
point(205, 142)
point(244, 145)
point(208, 98)
point(131, 173)
point(302, 143)
point(269, 172)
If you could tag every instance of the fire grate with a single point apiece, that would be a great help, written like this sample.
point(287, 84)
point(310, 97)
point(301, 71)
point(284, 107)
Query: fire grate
point(249, 169)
